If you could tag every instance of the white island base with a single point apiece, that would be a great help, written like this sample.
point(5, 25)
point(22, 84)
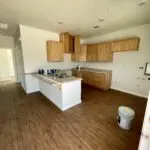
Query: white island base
point(64, 95)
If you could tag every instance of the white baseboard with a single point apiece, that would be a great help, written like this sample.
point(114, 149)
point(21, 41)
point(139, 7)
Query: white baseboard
point(71, 105)
point(5, 79)
point(136, 94)
point(31, 91)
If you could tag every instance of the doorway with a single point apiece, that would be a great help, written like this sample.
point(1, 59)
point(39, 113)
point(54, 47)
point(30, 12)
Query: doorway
point(7, 72)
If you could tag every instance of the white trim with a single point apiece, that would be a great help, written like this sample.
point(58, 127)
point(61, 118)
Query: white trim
point(69, 106)
point(136, 94)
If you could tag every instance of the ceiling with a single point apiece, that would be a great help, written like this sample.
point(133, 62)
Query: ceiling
point(78, 16)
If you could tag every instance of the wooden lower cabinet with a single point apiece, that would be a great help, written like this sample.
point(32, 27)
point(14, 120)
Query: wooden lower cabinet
point(76, 73)
point(100, 80)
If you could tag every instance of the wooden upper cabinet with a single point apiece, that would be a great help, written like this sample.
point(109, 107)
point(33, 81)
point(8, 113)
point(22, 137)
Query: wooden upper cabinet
point(74, 57)
point(131, 44)
point(104, 53)
point(92, 52)
point(81, 54)
point(67, 41)
point(54, 51)
point(76, 44)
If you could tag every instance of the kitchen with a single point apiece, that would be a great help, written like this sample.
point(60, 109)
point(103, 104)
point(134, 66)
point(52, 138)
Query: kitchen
point(103, 72)
point(77, 64)
point(53, 81)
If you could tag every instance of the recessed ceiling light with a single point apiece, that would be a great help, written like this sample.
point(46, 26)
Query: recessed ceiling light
point(101, 20)
point(143, 2)
point(3, 26)
point(95, 27)
point(60, 22)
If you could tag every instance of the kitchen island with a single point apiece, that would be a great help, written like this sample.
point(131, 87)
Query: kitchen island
point(64, 93)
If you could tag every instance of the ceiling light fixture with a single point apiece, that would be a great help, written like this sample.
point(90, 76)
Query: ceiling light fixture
point(95, 27)
point(143, 2)
point(101, 20)
point(3, 26)
point(60, 22)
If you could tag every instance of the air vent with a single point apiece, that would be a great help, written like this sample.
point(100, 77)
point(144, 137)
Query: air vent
point(60, 22)
point(101, 20)
point(96, 27)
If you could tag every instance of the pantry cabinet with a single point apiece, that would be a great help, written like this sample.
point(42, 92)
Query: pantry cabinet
point(54, 51)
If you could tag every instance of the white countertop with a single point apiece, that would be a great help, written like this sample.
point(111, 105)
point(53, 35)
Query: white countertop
point(56, 80)
point(93, 70)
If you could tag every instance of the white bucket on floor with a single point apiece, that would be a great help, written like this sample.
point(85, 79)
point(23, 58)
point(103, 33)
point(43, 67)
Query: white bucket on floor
point(125, 117)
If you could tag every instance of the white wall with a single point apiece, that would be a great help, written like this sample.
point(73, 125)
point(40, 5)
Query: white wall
point(125, 66)
point(34, 53)
point(6, 42)
point(19, 59)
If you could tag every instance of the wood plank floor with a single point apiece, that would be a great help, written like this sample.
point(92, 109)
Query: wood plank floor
point(31, 122)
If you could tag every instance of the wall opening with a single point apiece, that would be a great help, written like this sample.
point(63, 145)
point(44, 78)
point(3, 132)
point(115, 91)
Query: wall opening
point(7, 72)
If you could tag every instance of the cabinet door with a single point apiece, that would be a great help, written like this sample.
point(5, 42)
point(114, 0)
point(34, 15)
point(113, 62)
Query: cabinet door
point(104, 52)
point(77, 44)
point(50, 51)
point(58, 51)
point(76, 73)
point(98, 80)
point(71, 44)
point(131, 44)
point(87, 78)
point(83, 52)
point(74, 57)
point(68, 42)
point(92, 52)
point(54, 51)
